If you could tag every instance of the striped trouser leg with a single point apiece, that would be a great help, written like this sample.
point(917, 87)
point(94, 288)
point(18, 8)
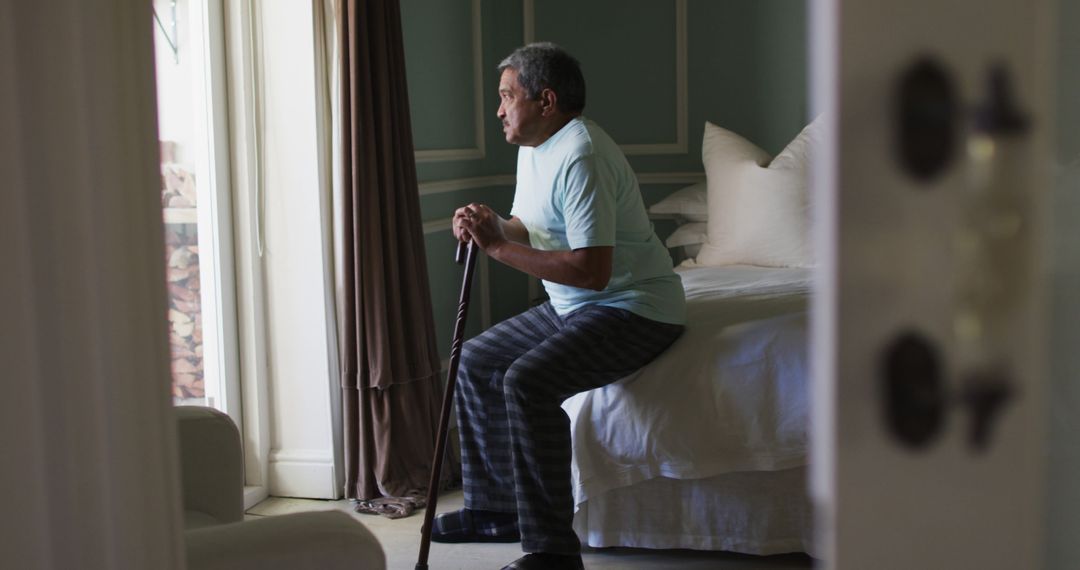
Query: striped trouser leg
point(515, 437)
point(486, 461)
point(550, 358)
point(592, 347)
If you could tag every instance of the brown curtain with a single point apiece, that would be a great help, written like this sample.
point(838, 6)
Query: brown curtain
point(390, 381)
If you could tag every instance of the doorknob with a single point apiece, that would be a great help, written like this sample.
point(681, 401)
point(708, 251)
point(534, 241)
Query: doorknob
point(914, 390)
point(998, 113)
point(927, 119)
point(989, 254)
point(985, 394)
point(916, 399)
point(929, 115)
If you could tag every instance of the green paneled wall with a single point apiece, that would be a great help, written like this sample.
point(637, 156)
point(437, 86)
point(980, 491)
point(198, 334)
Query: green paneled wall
point(443, 204)
point(628, 62)
point(440, 35)
point(746, 71)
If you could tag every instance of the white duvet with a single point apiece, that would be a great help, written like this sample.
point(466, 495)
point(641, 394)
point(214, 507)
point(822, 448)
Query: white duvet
point(730, 395)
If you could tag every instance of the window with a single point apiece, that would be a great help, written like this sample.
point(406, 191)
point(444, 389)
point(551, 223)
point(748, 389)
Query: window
point(195, 203)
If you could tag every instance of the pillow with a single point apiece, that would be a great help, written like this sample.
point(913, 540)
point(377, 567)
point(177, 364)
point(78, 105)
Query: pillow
point(758, 205)
point(687, 234)
point(689, 237)
point(689, 203)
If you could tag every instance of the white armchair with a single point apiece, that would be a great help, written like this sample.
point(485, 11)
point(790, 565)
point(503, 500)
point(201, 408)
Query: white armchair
point(216, 534)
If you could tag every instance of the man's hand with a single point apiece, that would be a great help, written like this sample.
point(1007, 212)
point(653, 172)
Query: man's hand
point(459, 232)
point(480, 224)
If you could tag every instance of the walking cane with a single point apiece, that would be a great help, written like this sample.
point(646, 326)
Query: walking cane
point(448, 399)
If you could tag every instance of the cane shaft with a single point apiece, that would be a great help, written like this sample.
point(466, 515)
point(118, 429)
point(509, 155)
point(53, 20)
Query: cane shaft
point(448, 400)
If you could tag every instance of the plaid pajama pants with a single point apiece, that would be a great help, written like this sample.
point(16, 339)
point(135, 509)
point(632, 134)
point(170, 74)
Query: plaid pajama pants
point(515, 437)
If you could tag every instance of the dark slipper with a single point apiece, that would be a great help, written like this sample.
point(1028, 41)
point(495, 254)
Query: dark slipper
point(468, 525)
point(545, 561)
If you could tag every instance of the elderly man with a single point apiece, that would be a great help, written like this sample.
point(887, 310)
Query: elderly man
point(579, 224)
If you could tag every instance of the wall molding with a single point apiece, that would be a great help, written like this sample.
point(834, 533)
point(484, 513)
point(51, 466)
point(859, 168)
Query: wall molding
point(477, 152)
point(670, 177)
point(680, 145)
point(528, 20)
point(302, 473)
point(484, 273)
point(437, 225)
point(456, 184)
point(682, 91)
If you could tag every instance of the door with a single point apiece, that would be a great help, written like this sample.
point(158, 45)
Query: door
point(927, 389)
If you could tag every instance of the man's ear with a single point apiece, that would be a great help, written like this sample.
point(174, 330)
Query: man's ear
point(548, 102)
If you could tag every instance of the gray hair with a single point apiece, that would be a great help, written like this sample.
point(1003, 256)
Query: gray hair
point(545, 65)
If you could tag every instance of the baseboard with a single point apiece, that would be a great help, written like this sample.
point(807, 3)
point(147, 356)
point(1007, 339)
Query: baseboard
point(303, 473)
point(253, 495)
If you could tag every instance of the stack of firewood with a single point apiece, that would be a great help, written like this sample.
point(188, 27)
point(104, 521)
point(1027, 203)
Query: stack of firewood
point(178, 186)
point(177, 180)
point(181, 258)
point(185, 311)
point(182, 273)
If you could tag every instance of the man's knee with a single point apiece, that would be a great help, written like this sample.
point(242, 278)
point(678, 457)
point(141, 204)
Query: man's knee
point(471, 359)
point(479, 360)
point(470, 351)
point(523, 381)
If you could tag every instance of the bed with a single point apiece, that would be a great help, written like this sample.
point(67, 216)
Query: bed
point(706, 447)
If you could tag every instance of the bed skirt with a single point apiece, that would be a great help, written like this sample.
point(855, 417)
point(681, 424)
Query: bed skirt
point(752, 512)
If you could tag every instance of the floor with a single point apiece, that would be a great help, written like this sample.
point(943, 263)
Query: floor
point(401, 539)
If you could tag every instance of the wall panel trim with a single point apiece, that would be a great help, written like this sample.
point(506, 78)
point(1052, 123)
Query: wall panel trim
point(670, 177)
point(456, 184)
point(680, 145)
point(477, 152)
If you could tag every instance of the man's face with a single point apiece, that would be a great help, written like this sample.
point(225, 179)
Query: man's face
point(522, 119)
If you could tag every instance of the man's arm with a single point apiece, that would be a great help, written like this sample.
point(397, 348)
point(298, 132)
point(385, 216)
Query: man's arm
point(515, 230)
point(587, 268)
point(507, 241)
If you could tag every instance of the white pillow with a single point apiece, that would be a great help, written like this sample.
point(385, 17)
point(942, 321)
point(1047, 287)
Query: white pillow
point(688, 234)
point(689, 237)
point(758, 206)
point(690, 203)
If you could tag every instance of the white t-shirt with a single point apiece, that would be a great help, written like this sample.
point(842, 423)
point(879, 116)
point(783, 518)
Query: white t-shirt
point(577, 190)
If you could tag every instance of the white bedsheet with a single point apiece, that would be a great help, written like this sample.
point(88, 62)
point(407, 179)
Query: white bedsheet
point(730, 395)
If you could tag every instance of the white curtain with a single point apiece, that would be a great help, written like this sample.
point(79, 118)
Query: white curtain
point(89, 444)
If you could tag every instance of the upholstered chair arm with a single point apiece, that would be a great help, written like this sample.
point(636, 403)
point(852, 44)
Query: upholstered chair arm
point(327, 540)
point(211, 467)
